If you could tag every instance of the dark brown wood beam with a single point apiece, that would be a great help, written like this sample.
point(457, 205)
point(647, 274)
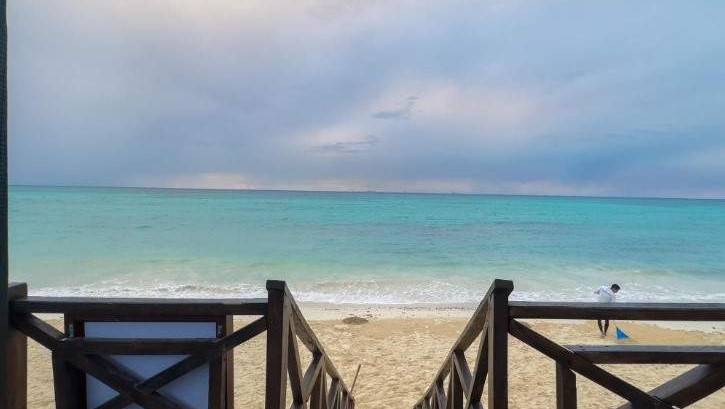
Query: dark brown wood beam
point(619, 311)
point(579, 364)
point(17, 358)
point(473, 328)
point(498, 327)
point(480, 371)
point(190, 363)
point(278, 316)
point(140, 307)
point(37, 329)
point(6, 389)
point(294, 367)
point(464, 372)
point(690, 387)
point(313, 371)
point(650, 354)
point(565, 387)
point(122, 381)
point(138, 346)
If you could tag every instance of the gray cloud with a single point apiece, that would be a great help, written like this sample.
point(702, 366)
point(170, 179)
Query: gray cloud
point(570, 97)
point(403, 112)
point(352, 146)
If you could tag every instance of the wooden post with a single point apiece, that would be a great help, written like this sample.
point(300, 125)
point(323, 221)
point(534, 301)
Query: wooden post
point(318, 400)
point(455, 391)
point(17, 357)
point(6, 394)
point(68, 382)
point(565, 387)
point(229, 367)
point(498, 318)
point(277, 338)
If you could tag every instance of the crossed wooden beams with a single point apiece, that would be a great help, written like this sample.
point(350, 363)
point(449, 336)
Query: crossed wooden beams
point(495, 319)
point(309, 390)
point(85, 355)
point(488, 324)
point(281, 319)
point(684, 390)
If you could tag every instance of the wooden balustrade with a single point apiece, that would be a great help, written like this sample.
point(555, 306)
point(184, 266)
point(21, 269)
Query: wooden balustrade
point(279, 316)
point(496, 318)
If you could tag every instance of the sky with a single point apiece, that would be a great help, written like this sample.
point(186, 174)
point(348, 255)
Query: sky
point(615, 98)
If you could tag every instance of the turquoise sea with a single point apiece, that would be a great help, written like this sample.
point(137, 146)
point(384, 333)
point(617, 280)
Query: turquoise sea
point(380, 248)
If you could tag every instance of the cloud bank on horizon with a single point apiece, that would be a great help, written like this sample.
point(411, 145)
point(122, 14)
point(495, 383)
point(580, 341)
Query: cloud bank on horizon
point(522, 97)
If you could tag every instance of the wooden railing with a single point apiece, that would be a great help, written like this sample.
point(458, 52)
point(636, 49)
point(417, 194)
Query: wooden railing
point(455, 386)
point(279, 315)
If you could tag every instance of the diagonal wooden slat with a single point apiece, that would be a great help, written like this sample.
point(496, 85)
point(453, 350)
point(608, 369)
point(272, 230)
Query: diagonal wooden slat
point(464, 372)
point(317, 364)
point(456, 390)
point(53, 339)
point(440, 394)
point(472, 329)
point(324, 404)
point(691, 386)
point(294, 366)
point(37, 329)
point(579, 364)
point(480, 371)
point(190, 363)
point(119, 379)
point(318, 399)
point(332, 393)
point(104, 370)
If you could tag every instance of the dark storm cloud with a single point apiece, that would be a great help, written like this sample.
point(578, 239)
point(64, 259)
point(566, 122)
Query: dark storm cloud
point(615, 98)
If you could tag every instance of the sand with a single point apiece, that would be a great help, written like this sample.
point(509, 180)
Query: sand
point(400, 353)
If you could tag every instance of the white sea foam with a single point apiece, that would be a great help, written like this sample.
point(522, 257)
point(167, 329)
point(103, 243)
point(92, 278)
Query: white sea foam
point(378, 292)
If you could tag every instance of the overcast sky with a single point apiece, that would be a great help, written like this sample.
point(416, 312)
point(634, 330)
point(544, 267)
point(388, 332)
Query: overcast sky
point(536, 97)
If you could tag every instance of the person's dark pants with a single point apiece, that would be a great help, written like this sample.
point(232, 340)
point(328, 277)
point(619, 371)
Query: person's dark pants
point(603, 326)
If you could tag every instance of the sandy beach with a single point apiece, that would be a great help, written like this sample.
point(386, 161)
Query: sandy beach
point(400, 349)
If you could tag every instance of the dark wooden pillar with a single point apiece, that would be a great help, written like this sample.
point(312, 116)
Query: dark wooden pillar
point(498, 318)
point(68, 383)
point(455, 391)
point(565, 387)
point(277, 348)
point(17, 357)
point(5, 391)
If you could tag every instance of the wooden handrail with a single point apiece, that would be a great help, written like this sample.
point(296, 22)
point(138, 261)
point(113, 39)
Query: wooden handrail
point(140, 306)
point(495, 319)
point(620, 311)
point(287, 325)
point(650, 354)
point(474, 328)
point(308, 337)
point(280, 317)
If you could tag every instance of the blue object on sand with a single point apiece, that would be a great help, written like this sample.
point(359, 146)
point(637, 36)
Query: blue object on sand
point(621, 334)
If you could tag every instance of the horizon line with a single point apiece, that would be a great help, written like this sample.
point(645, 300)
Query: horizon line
point(368, 191)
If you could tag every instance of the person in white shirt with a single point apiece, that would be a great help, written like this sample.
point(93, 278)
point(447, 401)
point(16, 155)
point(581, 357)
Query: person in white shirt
point(606, 294)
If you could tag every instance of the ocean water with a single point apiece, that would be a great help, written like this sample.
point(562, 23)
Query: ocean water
point(378, 248)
